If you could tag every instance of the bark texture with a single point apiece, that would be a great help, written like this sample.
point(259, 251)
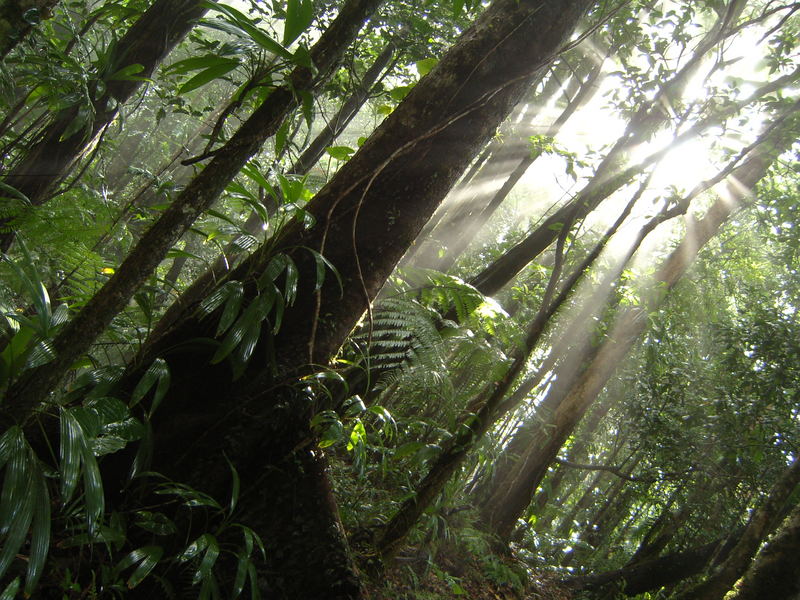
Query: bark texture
point(776, 571)
point(18, 18)
point(718, 583)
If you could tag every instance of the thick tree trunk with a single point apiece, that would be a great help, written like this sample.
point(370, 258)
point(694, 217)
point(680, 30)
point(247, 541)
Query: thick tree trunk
point(79, 334)
point(17, 19)
point(775, 574)
point(658, 572)
point(375, 206)
point(721, 581)
point(146, 43)
point(464, 226)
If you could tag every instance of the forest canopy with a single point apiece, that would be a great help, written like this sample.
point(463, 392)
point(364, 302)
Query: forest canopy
point(350, 299)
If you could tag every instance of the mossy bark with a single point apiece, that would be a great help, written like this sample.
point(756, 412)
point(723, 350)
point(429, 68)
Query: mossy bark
point(18, 18)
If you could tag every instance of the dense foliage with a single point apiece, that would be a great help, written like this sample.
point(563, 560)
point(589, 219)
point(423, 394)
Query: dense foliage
point(350, 299)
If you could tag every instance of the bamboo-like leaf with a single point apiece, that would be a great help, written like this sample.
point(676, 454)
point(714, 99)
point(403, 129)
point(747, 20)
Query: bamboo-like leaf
point(146, 558)
point(323, 263)
point(241, 574)
point(292, 276)
point(18, 501)
point(248, 29)
point(233, 303)
point(195, 548)
point(40, 533)
point(156, 372)
point(252, 575)
point(72, 442)
point(274, 268)
point(299, 14)
point(208, 75)
point(10, 591)
point(195, 63)
point(93, 499)
point(209, 558)
point(41, 354)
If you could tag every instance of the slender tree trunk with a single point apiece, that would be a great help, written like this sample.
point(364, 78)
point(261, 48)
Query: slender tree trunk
point(307, 159)
point(17, 19)
point(79, 334)
point(576, 453)
point(51, 157)
point(614, 171)
point(583, 389)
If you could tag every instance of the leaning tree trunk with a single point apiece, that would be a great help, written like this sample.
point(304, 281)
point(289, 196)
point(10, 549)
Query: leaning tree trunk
point(17, 19)
point(467, 224)
point(367, 216)
point(775, 574)
point(146, 43)
point(613, 172)
point(509, 503)
point(81, 332)
point(655, 573)
point(307, 159)
point(718, 583)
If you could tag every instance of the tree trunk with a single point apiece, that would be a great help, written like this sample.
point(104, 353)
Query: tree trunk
point(775, 574)
point(718, 584)
point(51, 157)
point(614, 171)
point(17, 19)
point(367, 216)
point(79, 334)
point(658, 572)
point(466, 225)
point(581, 391)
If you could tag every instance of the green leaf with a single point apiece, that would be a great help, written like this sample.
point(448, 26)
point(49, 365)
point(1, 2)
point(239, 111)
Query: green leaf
point(40, 532)
point(321, 264)
point(250, 30)
point(281, 136)
point(340, 152)
point(425, 65)
point(235, 485)
point(208, 75)
point(10, 591)
point(72, 442)
point(146, 558)
point(233, 304)
point(241, 574)
point(157, 374)
point(299, 14)
point(400, 92)
point(94, 498)
point(17, 501)
point(128, 74)
point(209, 558)
point(195, 63)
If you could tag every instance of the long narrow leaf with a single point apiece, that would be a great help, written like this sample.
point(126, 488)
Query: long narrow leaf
point(40, 533)
point(72, 441)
